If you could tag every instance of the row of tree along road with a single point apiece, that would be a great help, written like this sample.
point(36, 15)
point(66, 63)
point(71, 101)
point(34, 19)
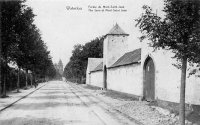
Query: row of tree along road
point(21, 47)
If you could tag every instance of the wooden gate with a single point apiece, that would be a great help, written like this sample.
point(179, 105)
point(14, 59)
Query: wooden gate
point(149, 80)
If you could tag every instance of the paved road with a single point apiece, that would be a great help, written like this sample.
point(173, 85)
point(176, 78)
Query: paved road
point(61, 103)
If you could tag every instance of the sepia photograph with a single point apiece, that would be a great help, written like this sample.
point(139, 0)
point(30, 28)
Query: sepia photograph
point(99, 62)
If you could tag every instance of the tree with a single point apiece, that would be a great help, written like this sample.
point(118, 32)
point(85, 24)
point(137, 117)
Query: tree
point(179, 31)
point(76, 68)
point(27, 39)
point(20, 26)
point(16, 33)
point(51, 71)
point(10, 11)
point(0, 49)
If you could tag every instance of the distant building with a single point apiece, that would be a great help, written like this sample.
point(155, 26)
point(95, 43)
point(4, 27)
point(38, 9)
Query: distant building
point(59, 67)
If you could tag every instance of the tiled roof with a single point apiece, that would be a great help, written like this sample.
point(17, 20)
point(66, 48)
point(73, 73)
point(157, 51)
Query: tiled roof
point(116, 30)
point(128, 58)
point(93, 63)
point(99, 67)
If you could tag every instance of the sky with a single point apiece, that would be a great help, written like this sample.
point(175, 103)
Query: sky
point(62, 28)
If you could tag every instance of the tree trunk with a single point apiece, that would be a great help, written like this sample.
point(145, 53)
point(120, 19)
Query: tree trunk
point(9, 82)
point(5, 78)
point(26, 79)
point(4, 83)
point(35, 82)
point(18, 79)
point(0, 75)
point(31, 79)
point(0, 54)
point(182, 91)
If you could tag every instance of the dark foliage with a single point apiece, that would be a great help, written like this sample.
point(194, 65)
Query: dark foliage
point(22, 45)
point(75, 70)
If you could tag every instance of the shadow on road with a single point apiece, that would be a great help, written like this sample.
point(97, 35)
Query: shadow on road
point(38, 121)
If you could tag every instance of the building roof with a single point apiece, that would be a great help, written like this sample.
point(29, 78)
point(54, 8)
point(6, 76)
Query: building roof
point(128, 58)
point(117, 30)
point(93, 63)
point(99, 67)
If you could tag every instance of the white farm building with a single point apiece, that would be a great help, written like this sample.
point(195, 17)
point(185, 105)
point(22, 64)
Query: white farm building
point(142, 72)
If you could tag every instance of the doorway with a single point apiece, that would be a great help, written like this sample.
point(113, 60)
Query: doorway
point(149, 80)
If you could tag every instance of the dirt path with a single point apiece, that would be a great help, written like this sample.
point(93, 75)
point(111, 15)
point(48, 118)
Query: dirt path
point(59, 103)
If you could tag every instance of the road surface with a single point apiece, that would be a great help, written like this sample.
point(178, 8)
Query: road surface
point(61, 103)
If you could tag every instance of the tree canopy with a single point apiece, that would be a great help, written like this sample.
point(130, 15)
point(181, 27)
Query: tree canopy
point(76, 67)
point(179, 31)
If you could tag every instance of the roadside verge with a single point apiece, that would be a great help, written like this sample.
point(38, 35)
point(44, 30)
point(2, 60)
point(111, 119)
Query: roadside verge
point(139, 111)
point(15, 97)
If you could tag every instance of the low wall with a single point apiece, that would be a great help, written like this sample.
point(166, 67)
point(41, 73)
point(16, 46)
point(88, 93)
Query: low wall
point(125, 79)
point(96, 78)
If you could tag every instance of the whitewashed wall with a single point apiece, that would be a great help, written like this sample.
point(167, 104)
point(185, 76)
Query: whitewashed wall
point(92, 64)
point(167, 77)
point(96, 78)
point(113, 48)
point(125, 79)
